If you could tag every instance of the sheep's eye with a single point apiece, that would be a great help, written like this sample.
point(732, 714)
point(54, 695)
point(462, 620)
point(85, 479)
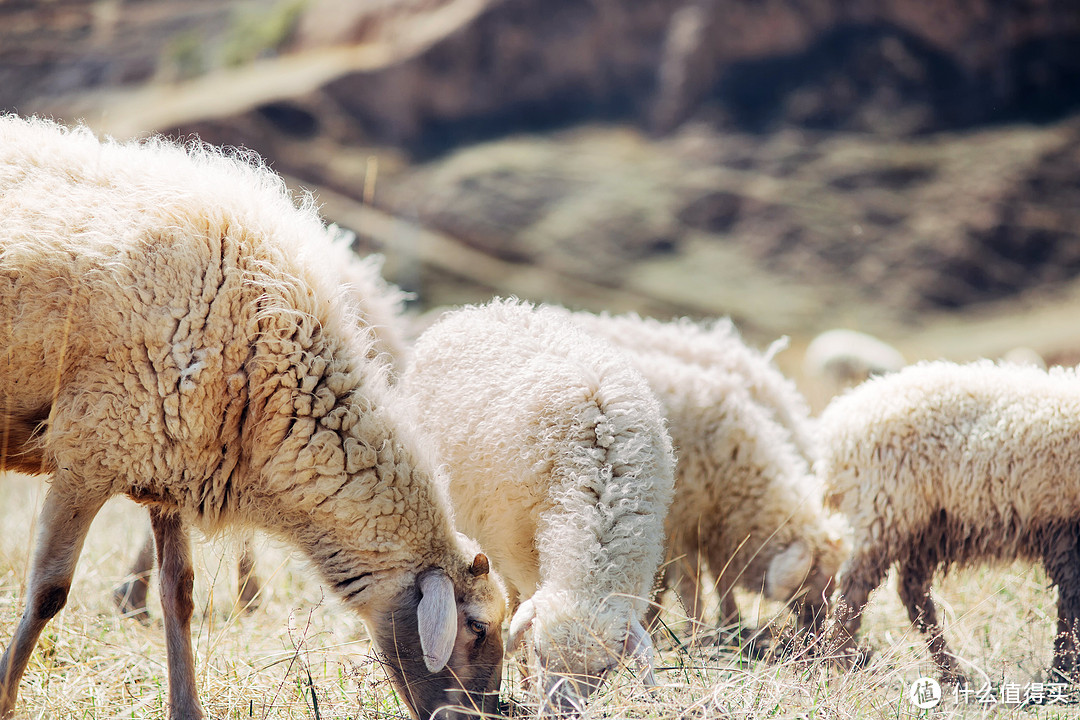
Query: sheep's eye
point(478, 627)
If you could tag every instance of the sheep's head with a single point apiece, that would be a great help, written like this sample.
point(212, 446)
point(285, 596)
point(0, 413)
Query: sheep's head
point(803, 573)
point(570, 650)
point(441, 640)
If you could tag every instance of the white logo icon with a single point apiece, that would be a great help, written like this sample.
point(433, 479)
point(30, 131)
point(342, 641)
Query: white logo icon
point(925, 693)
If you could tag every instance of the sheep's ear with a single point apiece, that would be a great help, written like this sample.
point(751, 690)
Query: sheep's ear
point(521, 622)
point(479, 565)
point(639, 647)
point(787, 571)
point(437, 619)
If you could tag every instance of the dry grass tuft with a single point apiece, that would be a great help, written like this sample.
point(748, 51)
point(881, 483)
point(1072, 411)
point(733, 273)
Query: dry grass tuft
point(302, 655)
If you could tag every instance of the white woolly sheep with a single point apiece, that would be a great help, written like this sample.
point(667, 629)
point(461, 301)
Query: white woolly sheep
point(380, 308)
point(747, 505)
point(559, 465)
point(943, 464)
point(171, 335)
point(839, 359)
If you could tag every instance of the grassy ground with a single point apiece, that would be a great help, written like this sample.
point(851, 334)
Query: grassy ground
point(301, 655)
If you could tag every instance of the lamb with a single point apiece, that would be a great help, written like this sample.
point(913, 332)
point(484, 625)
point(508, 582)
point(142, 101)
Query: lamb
point(747, 505)
point(559, 465)
point(170, 334)
point(943, 465)
point(380, 307)
point(839, 359)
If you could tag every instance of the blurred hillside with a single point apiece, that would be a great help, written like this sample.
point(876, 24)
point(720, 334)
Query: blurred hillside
point(907, 167)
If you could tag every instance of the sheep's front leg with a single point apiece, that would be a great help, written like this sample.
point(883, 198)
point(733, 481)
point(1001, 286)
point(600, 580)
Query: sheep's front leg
point(864, 573)
point(754, 642)
point(916, 575)
point(130, 597)
point(730, 618)
point(682, 574)
point(62, 529)
point(177, 577)
point(718, 556)
point(685, 579)
point(1067, 640)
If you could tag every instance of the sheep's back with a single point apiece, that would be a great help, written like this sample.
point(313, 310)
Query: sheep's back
point(528, 412)
point(991, 445)
point(147, 282)
point(714, 347)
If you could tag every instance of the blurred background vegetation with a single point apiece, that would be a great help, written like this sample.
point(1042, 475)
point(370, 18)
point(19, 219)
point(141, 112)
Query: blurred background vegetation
point(909, 168)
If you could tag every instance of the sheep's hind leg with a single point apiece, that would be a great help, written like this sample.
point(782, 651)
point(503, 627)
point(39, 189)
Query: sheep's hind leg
point(685, 578)
point(63, 526)
point(751, 641)
point(177, 577)
point(1061, 556)
point(916, 575)
point(130, 596)
point(248, 581)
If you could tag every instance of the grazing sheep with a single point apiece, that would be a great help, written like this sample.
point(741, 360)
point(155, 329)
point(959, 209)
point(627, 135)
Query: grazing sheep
point(747, 505)
point(380, 306)
point(943, 464)
point(839, 359)
point(559, 465)
point(170, 334)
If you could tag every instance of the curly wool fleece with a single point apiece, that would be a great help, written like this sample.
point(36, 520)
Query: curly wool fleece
point(557, 463)
point(943, 464)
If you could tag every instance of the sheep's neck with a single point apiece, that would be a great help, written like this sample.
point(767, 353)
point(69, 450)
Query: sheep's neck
point(331, 465)
point(353, 499)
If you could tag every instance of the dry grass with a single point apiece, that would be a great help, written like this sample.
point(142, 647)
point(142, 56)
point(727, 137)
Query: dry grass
point(301, 644)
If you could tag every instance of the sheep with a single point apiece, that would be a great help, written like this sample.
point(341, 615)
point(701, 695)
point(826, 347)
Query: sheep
point(839, 359)
point(169, 334)
point(558, 463)
point(1022, 355)
point(943, 465)
point(380, 307)
point(746, 503)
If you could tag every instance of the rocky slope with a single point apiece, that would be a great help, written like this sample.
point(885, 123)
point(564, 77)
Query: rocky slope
point(798, 164)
